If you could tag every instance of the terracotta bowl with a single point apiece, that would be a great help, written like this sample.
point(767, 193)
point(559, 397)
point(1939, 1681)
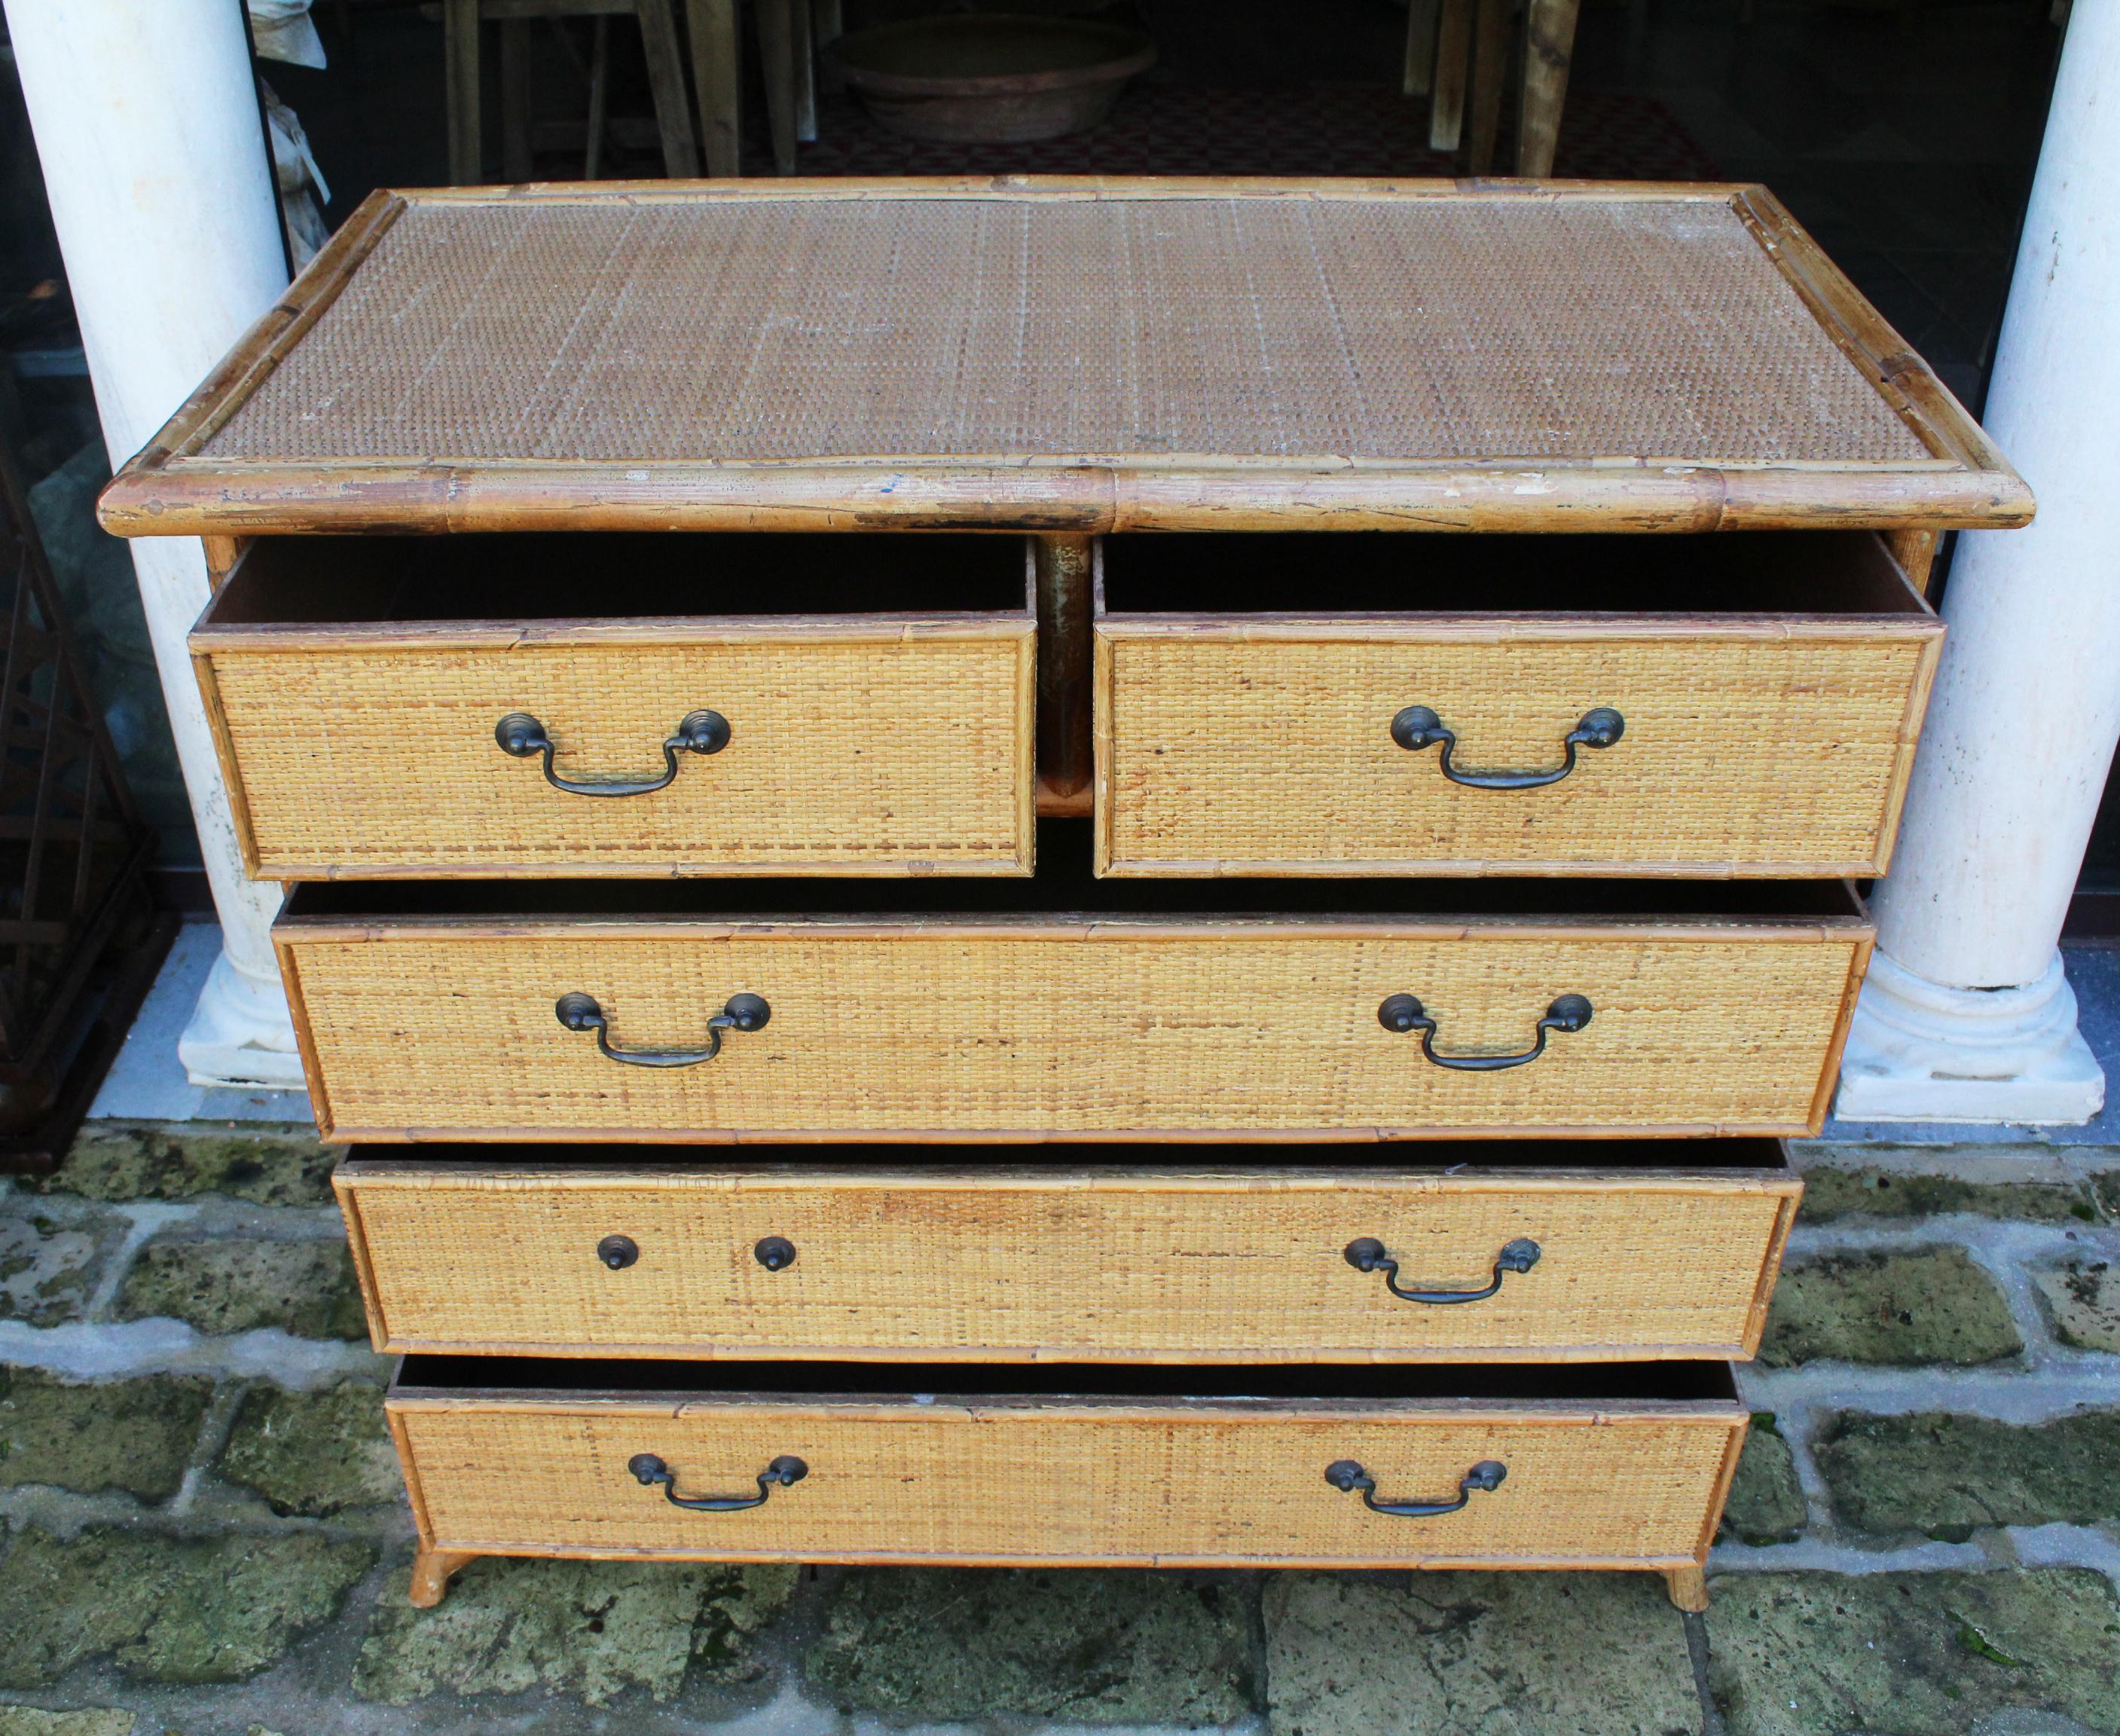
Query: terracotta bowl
point(995, 78)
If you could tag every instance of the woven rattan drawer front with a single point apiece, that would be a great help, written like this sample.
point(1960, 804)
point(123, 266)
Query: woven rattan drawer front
point(364, 742)
point(1767, 691)
point(1105, 1264)
point(1063, 1025)
point(1145, 1479)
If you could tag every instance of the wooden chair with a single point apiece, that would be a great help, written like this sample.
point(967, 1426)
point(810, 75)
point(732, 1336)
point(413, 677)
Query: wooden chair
point(462, 20)
point(1456, 55)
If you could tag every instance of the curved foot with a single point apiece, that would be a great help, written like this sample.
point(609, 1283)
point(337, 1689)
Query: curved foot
point(1688, 1588)
point(431, 1571)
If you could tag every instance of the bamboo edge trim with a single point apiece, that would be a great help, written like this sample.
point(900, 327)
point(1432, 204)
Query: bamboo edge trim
point(517, 1134)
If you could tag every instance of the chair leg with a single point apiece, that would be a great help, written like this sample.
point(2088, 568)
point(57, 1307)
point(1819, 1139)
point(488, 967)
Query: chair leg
point(776, 48)
point(460, 60)
point(666, 83)
point(1421, 20)
point(599, 95)
point(1453, 47)
point(1490, 64)
point(515, 160)
point(717, 67)
point(802, 28)
point(1549, 49)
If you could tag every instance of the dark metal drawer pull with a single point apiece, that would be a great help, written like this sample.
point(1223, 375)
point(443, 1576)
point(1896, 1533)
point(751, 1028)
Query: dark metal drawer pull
point(651, 1471)
point(521, 735)
point(1417, 727)
point(1368, 1255)
point(1346, 1476)
point(1403, 1012)
point(579, 1012)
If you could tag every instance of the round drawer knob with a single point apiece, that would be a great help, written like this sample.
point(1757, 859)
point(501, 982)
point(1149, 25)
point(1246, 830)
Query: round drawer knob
point(618, 1252)
point(775, 1253)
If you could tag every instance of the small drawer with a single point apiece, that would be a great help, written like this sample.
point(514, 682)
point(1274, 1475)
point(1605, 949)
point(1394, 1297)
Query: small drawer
point(1736, 705)
point(1501, 1251)
point(1069, 1007)
point(1618, 1465)
point(626, 705)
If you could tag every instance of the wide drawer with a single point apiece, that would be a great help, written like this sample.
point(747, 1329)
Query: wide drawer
point(1620, 1466)
point(453, 1011)
point(1495, 1251)
point(1735, 705)
point(731, 704)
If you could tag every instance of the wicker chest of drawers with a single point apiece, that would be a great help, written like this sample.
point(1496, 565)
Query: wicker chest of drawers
point(1357, 708)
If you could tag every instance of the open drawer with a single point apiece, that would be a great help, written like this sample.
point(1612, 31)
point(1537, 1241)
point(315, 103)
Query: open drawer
point(1740, 705)
point(626, 705)
point(1611, 1465)
point(1068, 1007)
point(1504, 1250)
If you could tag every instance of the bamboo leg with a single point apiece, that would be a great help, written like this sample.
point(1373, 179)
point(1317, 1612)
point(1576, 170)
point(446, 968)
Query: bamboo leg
point(432, 1569)
point(1421, 21)
point(1065, 573)
point(717, 62)
point(666, 83)
point(776, 48)
point(1549, 49)
point(1490, 60)
point(460, 59)
point(599, 92)
point(515, 163)
point(1453, 47)
point(1688, 1588)
point(802, 30)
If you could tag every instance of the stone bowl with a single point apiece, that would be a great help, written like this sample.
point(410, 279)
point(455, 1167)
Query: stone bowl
point(990, 78)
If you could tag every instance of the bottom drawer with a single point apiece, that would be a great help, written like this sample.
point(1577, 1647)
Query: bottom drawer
point(1612, 1465)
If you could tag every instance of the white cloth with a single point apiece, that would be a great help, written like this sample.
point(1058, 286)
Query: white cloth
point(284, 30)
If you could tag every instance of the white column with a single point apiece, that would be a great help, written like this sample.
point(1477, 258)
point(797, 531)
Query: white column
point(1966, 1015)
point(146, 125)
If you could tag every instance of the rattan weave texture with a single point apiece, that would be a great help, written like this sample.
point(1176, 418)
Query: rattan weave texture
point(1001, 1268)
point(1135, 329)
point(1778, 754)
point(1093, 1029)
point(1057, 1482)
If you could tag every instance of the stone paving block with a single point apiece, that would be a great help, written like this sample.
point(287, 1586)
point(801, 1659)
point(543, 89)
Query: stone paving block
point(1108, 1647)
point(1476, 1654)
point(1766, 1503)
point(1831, 1191)
point(1914, 1654)
point(49, 1268)
point(165, 1608)
point(594, 1629)
point(259, 1161)
point(136, 1436)
point(1946, 1475)
point(2083, 1299)
point(313, 1454)
point(29, 1721)
point(1924, 1304)
point(230, 1285)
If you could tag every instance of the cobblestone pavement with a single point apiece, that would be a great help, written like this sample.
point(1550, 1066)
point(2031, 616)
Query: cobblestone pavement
point(204, 1530)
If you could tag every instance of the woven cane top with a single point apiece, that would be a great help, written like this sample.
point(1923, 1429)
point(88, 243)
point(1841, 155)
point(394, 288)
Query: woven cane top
point(579, 345)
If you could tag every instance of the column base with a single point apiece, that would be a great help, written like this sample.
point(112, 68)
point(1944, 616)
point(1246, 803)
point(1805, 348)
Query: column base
point(241, 1034)
point(1921, 1051)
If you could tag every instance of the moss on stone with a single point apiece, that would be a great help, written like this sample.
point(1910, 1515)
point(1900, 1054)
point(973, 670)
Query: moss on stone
point(266, 1164)
point(951, 1643)
point(1832, 1190)
point(597, 1630)
point(1926, 1305)
point(1915, 1654)
point(165, 1608)
point(101, 1720)
point(1947, 1476)
point(135, 1435)
point(229, 1286)
point(313, 1454)
point(49, 1268)
point(1766, 1503)
point(2083, 1299)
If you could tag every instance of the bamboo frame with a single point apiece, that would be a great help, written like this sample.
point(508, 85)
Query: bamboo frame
point(172, 488)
